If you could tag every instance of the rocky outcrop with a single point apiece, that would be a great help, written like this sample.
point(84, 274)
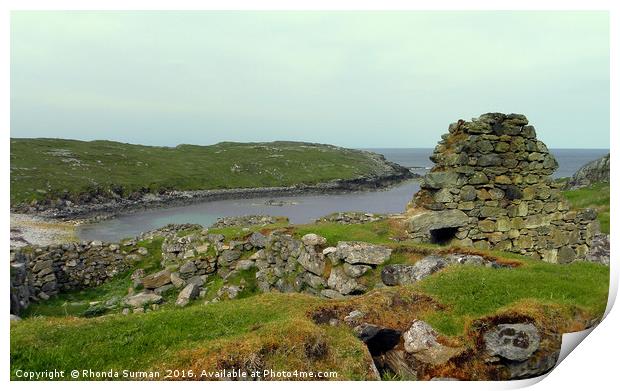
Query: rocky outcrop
point(594, 172)
point(351, 218)
point(491, 188)
point(246, 221)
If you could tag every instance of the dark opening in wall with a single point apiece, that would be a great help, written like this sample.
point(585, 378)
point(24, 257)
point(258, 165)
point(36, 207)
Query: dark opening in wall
point(443, 235)
point(384, 340)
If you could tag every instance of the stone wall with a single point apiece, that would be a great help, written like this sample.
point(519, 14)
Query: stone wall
point(37, 273)
point(491, 188)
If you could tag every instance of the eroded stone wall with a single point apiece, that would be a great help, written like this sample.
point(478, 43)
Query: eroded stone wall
point(38, 273)
point(491, 188)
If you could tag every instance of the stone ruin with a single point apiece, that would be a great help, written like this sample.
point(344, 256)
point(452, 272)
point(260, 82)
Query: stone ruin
point(491, 188)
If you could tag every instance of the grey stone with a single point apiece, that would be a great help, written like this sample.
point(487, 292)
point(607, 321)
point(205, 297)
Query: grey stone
point(432, 220)
point(340, 282)
point(312, 263)
point(332, 294)
point(141, 299)
point(258, 240)
point(187, 294)
point(599, 249)
point(188, 268)
point(313, 240)
point(362, 253)
point(516, 342)
point(176, 280)
point(421, 341)
point(355, 271)
point(566, 254)
point(437, 180)
point(156, 280)
point(354, 316)
point(399, 274)
point(244, 264)
point(228, 256)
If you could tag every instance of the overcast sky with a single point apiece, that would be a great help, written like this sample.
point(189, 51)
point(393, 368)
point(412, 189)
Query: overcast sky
point(355, 79)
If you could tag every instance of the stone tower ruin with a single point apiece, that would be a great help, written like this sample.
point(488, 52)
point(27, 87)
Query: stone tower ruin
point(491, 188)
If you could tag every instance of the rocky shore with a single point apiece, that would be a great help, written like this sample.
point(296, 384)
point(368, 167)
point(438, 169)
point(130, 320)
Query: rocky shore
point(32, 230)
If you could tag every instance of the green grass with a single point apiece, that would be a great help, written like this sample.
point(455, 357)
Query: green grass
point(376, 232)
point(595, 196)
point(472, 292)
point(47, 168)
point(167, 338)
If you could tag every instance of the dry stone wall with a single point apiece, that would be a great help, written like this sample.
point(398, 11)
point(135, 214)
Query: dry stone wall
point(38, 273)
point(491, 188)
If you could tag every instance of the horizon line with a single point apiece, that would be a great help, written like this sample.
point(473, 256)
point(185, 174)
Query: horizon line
point(251, 141)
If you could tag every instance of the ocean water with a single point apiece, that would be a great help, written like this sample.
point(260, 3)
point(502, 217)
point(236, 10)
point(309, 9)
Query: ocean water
point(304, 209)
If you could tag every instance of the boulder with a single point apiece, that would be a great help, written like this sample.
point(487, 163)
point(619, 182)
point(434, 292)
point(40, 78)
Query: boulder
point(355, 271)
point(141, 299)
point(399, 274)
point(421, 340)
point(156, 280)
point(311, 262)
point(340, 282)
point(188, 293)
point(313, 240)
point(362, 253)
point(176, 280)
point(516, 341)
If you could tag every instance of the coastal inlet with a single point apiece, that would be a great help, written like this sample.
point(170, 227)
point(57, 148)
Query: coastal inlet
point(299, 209)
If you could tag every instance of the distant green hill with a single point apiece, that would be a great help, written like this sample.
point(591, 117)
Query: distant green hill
point(51, 168)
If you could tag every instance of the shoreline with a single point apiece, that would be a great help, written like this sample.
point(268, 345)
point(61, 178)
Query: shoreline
point(91, 213)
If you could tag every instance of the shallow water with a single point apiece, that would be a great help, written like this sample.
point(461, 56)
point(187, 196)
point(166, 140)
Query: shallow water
point(305, 209)
point(299, 210)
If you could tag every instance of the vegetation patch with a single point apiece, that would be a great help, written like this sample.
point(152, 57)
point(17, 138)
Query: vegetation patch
point(81, 169)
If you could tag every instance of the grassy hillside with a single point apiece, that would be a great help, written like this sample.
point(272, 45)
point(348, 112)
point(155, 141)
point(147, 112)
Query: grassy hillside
point(47, 168)
point(277, 330)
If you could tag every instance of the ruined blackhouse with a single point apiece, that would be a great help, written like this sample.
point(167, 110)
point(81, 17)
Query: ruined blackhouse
point(491, 188)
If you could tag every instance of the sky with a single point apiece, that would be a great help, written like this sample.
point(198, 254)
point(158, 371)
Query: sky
point(354, 79)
